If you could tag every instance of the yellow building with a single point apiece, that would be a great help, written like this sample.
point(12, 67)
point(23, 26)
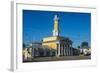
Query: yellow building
point(55, 45)
point(50, 41)
point(62, 45)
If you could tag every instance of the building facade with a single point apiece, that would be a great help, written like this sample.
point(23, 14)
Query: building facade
point(35, 49)
point(62, 45)
point(55, 45)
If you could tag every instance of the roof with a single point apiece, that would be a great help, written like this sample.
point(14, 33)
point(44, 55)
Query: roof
point(55, 38)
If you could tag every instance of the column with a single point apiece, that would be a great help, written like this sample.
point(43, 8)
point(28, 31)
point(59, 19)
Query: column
point(71, 50)
point(64, 49)
point(33, 52)
point(61, 49)
point(67, 49)
point(58, 50)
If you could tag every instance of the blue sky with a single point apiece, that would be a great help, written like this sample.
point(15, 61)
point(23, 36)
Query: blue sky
point(39, 24)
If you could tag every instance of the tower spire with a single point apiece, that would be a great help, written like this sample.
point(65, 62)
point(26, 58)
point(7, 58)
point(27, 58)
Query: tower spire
point(56, 26)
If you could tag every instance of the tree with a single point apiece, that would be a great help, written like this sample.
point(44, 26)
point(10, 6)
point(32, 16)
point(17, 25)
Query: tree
point(24, 45)
point(84, 44)
point(78, 47)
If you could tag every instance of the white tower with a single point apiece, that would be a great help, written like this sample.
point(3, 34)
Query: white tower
point(56, 26)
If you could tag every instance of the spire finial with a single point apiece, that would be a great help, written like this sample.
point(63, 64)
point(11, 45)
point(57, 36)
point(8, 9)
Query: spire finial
point(56, 17)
